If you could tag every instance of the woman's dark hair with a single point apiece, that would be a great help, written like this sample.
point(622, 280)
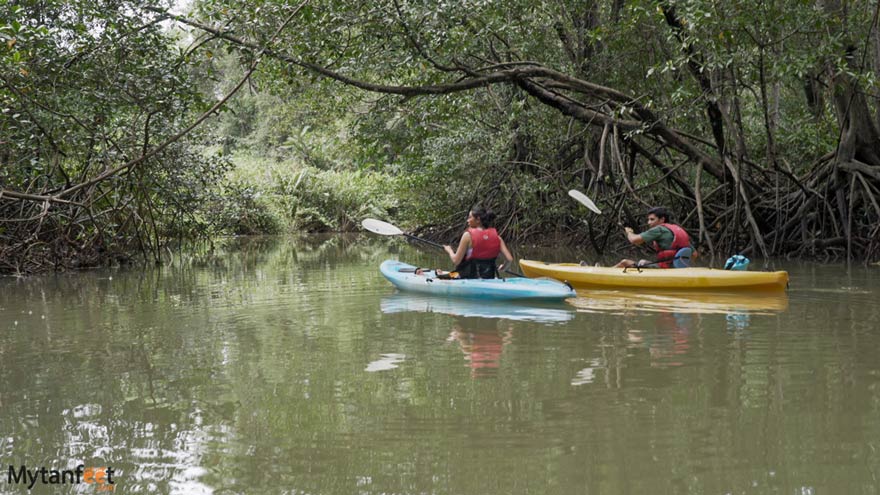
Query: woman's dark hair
point(485, 215)
point(661, 212)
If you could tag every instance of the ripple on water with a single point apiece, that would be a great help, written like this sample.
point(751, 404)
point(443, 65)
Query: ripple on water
point(849, 295)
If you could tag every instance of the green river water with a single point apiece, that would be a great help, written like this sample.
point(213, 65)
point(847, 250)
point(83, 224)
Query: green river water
point(284, 365)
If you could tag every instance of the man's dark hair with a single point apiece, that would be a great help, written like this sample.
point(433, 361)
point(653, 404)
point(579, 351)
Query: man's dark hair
point(660, 212)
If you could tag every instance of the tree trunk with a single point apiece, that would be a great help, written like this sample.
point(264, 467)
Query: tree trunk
point(859, 137)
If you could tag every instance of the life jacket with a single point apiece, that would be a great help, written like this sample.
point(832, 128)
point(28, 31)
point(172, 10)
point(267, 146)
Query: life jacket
point(680, 239)
point(485, 244)
point(480, 259)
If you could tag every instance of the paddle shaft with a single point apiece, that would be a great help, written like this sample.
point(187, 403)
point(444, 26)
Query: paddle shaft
point(432, 243)
point(506, 270)
point(656, 264)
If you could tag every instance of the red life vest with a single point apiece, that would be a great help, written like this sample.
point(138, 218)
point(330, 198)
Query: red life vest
point(680, 240)
point(485, 244)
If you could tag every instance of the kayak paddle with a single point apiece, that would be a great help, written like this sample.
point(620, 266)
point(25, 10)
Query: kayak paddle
point(385, 228)
point(584, 200)
point(512, 272)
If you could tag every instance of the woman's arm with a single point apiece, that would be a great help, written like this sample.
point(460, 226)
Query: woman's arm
point(506, 253)
point(458, 255)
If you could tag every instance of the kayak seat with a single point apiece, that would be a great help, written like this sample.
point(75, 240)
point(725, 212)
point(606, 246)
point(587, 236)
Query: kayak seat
point(682, 258)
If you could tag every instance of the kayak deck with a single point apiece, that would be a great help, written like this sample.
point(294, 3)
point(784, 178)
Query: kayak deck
point(653, 278)
point(403, 277)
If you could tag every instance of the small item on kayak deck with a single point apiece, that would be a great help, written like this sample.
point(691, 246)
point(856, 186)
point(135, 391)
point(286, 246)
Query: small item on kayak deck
point(737, 262)
point(403, 277)
point(442, 275)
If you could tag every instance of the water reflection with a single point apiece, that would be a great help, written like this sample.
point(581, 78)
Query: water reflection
point(481, 328)
point(738, 322)
point(509, 310)
point(482, 342)
point(385, 362)
point(622, 301)
point(668, 338)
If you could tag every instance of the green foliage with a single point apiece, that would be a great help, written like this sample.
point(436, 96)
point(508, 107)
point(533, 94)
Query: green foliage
point(86, 87)
point(243, 211)
point(82, 80)
point(187, 198)
point(496, 145)
point(338, 201)
point(266, 196)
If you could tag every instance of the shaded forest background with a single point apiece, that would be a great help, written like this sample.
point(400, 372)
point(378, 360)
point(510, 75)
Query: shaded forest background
point(128, 126)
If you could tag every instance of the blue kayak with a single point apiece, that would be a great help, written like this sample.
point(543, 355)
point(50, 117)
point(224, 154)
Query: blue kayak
point(403, 277)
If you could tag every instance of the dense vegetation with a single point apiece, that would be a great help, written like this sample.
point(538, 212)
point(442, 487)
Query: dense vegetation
point(126, 125)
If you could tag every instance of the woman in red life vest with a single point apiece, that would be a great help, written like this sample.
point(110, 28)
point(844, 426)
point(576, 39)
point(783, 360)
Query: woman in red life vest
point(479, 246)
point(665, 238)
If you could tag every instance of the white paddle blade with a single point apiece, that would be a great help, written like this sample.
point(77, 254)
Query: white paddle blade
point(380, 227)
point(584, 200)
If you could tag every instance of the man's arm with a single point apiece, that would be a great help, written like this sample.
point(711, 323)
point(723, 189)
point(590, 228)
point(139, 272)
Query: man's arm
point(632, 237)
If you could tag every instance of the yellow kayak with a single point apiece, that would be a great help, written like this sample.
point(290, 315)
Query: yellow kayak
point(655, 278)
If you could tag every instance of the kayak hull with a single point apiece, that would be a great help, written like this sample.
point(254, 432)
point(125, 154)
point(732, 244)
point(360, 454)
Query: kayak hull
point(677, 278)
point(401, 276)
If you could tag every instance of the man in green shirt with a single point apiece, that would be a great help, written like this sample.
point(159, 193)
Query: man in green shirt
point(665, 238)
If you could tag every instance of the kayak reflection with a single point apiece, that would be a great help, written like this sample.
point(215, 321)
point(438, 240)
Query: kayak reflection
point(619, 301)
point(668, 340)
point(482, 342)
point(521, 311)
